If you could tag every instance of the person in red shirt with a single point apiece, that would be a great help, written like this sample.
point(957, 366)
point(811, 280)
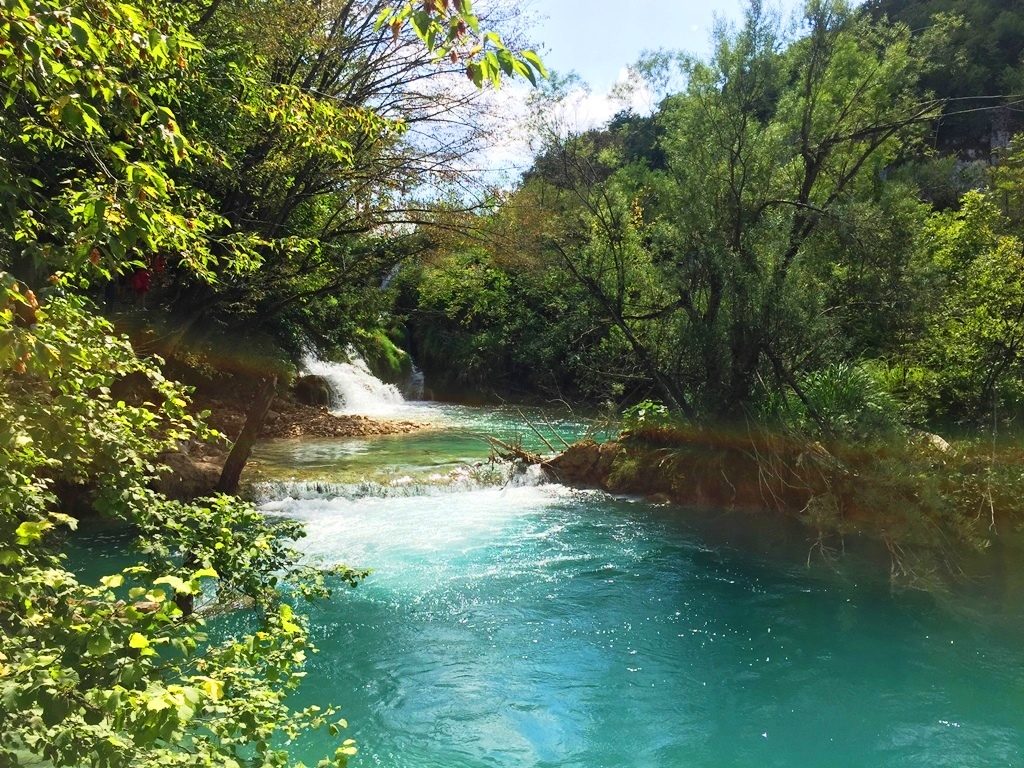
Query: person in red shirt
point(140, 286)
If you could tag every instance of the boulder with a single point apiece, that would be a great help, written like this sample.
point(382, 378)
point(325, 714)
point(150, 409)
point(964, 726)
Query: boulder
point(932, 442)
point(190, 477)
point(312, 390)
point(586, 464)
point(938, 443)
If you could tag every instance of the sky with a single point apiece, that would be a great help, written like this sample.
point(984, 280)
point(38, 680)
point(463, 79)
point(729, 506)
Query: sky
point(599, 39)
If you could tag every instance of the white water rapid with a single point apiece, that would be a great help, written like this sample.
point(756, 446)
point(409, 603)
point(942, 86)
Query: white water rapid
point(290, 495)
point(355, 388)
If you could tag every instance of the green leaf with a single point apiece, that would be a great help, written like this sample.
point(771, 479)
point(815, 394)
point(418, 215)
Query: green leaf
point(99, 644)
point(213, 688)
point(178, 585)
point(112, 582)
point(535, 61)
point(138, 641)
point(30, 532)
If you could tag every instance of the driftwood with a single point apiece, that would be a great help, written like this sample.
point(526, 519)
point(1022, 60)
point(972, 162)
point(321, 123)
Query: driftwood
point(512, 452)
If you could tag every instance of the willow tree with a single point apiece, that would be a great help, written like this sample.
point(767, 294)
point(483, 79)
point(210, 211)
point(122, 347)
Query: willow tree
point(710, 266)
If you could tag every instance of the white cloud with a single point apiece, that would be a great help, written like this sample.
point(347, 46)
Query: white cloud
point(585, 108)
point(580, 109)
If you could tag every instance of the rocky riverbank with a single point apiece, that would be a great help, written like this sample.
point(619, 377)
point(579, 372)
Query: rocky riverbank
point(195, 469)
point(289, 418)
point(713, 472)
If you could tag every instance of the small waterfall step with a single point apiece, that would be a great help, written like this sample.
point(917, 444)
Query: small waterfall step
point(354, 387)
point(464, 479)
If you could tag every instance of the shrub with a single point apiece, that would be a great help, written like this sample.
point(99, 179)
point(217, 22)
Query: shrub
point(121, 672)
point(845, 401)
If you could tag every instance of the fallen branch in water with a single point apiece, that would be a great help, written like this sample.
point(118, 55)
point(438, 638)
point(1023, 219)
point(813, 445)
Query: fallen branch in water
point(535, 430)
point(509, 452)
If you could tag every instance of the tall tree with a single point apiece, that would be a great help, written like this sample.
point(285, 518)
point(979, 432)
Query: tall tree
point(708, 268)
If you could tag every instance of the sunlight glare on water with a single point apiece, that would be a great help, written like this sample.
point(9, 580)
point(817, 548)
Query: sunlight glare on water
point(532, 625)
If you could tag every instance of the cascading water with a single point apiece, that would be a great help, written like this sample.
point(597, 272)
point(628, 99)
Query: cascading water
point(390, 276)
point(417, 383)
point(355, 388)
point(289, 495)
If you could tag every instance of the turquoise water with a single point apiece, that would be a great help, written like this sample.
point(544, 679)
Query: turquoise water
point(455, 437)
point(508, 623)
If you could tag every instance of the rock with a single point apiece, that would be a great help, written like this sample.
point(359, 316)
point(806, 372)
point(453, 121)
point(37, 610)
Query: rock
point(938, 443)
point(933, 441)
point(289, 418)
point(312, 390)
point(607, 454)
point(586, 464)
point(190, 477)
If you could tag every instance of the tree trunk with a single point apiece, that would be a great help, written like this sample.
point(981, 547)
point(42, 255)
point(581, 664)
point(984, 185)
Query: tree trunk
point(240, 451)
point(674, 397)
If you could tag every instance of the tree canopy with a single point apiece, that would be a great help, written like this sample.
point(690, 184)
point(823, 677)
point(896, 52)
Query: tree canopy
point(178, 139)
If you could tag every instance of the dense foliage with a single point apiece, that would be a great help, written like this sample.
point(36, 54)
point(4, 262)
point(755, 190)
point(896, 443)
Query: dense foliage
point(175, 143)
point(760, 226)
point(981, 74)
point(779, 252)
point(775, 249)
point(121, 672)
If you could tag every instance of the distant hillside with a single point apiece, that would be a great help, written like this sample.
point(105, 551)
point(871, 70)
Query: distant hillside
point(982, 67)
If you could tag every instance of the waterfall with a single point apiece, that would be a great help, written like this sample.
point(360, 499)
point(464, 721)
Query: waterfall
point(355, 388)
point(462, 479)
point(390, 276)
point(417, 381)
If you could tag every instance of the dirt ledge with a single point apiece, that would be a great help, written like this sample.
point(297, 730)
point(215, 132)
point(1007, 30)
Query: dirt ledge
point(288, 418)
point(196, 468)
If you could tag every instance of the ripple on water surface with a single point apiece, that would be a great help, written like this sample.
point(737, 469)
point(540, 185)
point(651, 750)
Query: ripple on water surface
point(544, 627)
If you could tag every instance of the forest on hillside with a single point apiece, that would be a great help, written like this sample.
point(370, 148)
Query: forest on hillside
point(807, 262)
point(804, 218)
point(815, 239)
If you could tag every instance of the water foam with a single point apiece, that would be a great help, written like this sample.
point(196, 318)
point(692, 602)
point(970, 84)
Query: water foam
point(463, 479)
point(382, 530)
point(356, 390)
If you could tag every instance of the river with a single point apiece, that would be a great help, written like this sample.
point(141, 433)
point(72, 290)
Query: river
point(509, 622)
